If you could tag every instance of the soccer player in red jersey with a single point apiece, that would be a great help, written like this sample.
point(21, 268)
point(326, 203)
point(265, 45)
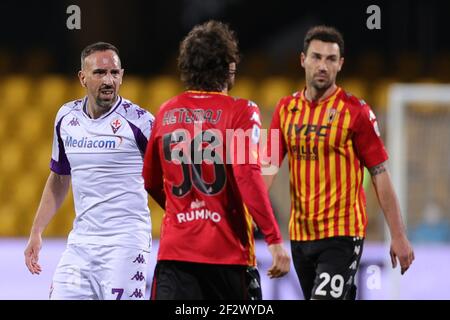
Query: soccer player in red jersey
point(330, 136)
point(202, 166)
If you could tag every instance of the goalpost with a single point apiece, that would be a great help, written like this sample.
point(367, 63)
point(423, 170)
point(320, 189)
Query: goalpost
point(418, 140)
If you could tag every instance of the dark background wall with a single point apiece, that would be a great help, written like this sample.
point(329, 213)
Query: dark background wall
point(148, 32)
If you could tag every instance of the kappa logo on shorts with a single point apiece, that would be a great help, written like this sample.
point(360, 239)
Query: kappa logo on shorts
point(139, 276)
point(139, 259)
point(137, 293)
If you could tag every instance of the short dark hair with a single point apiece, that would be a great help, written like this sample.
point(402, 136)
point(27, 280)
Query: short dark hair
point(325, 34)
point(98, 46)
point(205, 55)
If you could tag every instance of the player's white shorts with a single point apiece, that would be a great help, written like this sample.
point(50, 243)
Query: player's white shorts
point(92, 272)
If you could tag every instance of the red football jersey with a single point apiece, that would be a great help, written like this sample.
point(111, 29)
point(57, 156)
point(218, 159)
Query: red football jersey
point(202, 166)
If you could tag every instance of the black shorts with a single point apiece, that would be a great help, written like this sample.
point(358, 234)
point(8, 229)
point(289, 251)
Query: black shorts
point(177, 280)
point(326, 268)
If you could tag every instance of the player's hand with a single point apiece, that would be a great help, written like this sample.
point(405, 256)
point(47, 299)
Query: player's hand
point(281, 262)
point(32, 253)
point(401, 249)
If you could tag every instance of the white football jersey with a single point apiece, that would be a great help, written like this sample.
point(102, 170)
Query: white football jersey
point(104, 157)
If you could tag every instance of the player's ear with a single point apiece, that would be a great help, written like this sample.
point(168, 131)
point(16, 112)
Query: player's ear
point(122, 72)
point(341, 63)
point(302, 59)
point(82, 78)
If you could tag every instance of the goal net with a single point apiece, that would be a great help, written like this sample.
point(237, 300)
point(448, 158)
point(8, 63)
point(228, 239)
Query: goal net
point(418, 141)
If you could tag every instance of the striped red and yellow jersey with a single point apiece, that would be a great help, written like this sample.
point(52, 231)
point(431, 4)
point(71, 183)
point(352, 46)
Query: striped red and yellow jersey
point(328, 144)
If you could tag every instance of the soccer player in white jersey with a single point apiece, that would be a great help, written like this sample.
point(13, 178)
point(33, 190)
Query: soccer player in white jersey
point(98, 145)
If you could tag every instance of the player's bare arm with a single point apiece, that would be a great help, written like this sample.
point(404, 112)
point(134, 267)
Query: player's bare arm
point(54, 193)
point(400, 247)
point(378, 169)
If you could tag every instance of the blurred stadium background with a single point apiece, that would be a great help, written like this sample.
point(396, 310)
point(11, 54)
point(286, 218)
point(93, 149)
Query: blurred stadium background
point(39, 60)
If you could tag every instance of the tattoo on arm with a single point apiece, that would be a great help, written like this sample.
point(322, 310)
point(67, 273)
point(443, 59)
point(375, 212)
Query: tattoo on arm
point(377, 169)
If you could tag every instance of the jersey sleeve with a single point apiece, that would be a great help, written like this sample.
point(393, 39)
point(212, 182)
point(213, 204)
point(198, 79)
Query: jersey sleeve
point(142, 128)
point(59, 163)
point(367, 140)
point(152, 170)
point(276, 146)
point(248, 175)
point(147, 125)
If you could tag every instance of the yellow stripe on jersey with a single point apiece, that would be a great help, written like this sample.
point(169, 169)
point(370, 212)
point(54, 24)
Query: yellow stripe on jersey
point(312, 178)
point(285, 125)
point(332, 166)
point(251, 240)
point(301, 193)
point(297, 209)
point(352, 213)
point(342, 213)
point(322, 175)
